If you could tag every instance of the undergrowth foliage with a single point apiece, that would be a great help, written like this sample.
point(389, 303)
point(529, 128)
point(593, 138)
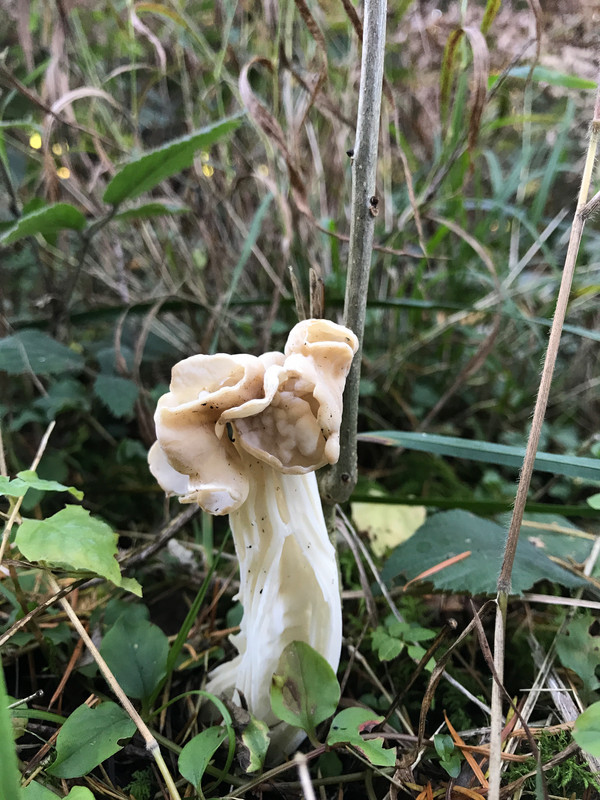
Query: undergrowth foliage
point(176, 180)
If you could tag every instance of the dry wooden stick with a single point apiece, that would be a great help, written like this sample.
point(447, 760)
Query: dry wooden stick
point(582, 212)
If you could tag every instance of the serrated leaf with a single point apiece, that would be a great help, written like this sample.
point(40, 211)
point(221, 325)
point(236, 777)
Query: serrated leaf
point(45, 220)
point(34, 351)
point(579, 650)
point(118, 394)
point(386, 646)
point(28, 479)
point(587, 730)
point(147, 171)
point(149, 210)
point(346, 728)
point(304, 690)
point(62, 395)
point(136, 651)
point(198, 752)
point(73, 540)
point(89, 737)
point(451, 533)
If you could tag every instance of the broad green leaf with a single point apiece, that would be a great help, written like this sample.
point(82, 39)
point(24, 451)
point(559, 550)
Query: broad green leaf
point(387, 525)
point(453, 533)
point(136, 651)
point(346, 728)
point(80, 793)
point(587, 730)
point(118, 394)
point(28, 479)
point(507, 455)
point(89, 737)
point(147, 171)
point(45, 220)
point(73, 540)
point(197, 754)
point(579, 650)
point(34, 351)
point(9, 771)
point(35, 791)
point(304, 690)
point(149, 210)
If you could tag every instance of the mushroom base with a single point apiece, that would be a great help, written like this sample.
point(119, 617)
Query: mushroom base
point(289, 589)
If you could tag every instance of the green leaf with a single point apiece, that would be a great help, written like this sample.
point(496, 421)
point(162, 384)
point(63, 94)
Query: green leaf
point(89, 737)
point(579, 650)
point(506, 455)
point(35, 791)
point(453, 533)
point(387, 647)
point(387, 525)
point(449, 757)
point(9, 771)
point(147, 171)
point(136, 651)
point(587, 730)
point(347, 727)
point(149, 210)
point(594, 501)
point(547, 75)
point(34, 351)
point(28, 479)
point(198, 752)
point(73, 540)
point(118, 394)
point(254, 745)
point(46, 220)
point(304, 690)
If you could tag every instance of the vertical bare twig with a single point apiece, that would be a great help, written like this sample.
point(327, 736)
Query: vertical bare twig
point(17, 504)
point(339, 480)
point(582, 212)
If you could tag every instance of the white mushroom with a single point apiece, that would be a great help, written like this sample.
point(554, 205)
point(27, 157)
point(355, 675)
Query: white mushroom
point(242, 435)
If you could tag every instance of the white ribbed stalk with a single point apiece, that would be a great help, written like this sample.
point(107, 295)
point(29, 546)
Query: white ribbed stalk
point(289, 586)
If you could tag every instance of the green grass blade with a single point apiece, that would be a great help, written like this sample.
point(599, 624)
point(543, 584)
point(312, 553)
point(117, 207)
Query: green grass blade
point(253, 234)
point(501, 454)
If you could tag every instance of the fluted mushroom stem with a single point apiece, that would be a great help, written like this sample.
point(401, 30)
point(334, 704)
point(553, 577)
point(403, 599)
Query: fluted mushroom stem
point(289, 587)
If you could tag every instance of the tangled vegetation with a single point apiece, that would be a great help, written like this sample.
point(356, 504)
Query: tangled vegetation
point(176, 180)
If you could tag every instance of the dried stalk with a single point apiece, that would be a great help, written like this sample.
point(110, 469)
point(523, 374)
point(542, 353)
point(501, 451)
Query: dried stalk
point(339, 480)
point(14, 513)
point(583, 211)
point(149, 739)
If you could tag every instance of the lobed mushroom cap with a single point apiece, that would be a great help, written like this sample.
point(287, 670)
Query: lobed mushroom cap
point(222, 411)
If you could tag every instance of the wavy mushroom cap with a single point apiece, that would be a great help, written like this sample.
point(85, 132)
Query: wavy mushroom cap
point(191, 443)
point(283, 409)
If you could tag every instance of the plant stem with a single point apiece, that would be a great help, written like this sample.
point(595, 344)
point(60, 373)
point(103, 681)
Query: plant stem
point(582, 212)
point(151, 743)
point(17, 503)
point(340, 479)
